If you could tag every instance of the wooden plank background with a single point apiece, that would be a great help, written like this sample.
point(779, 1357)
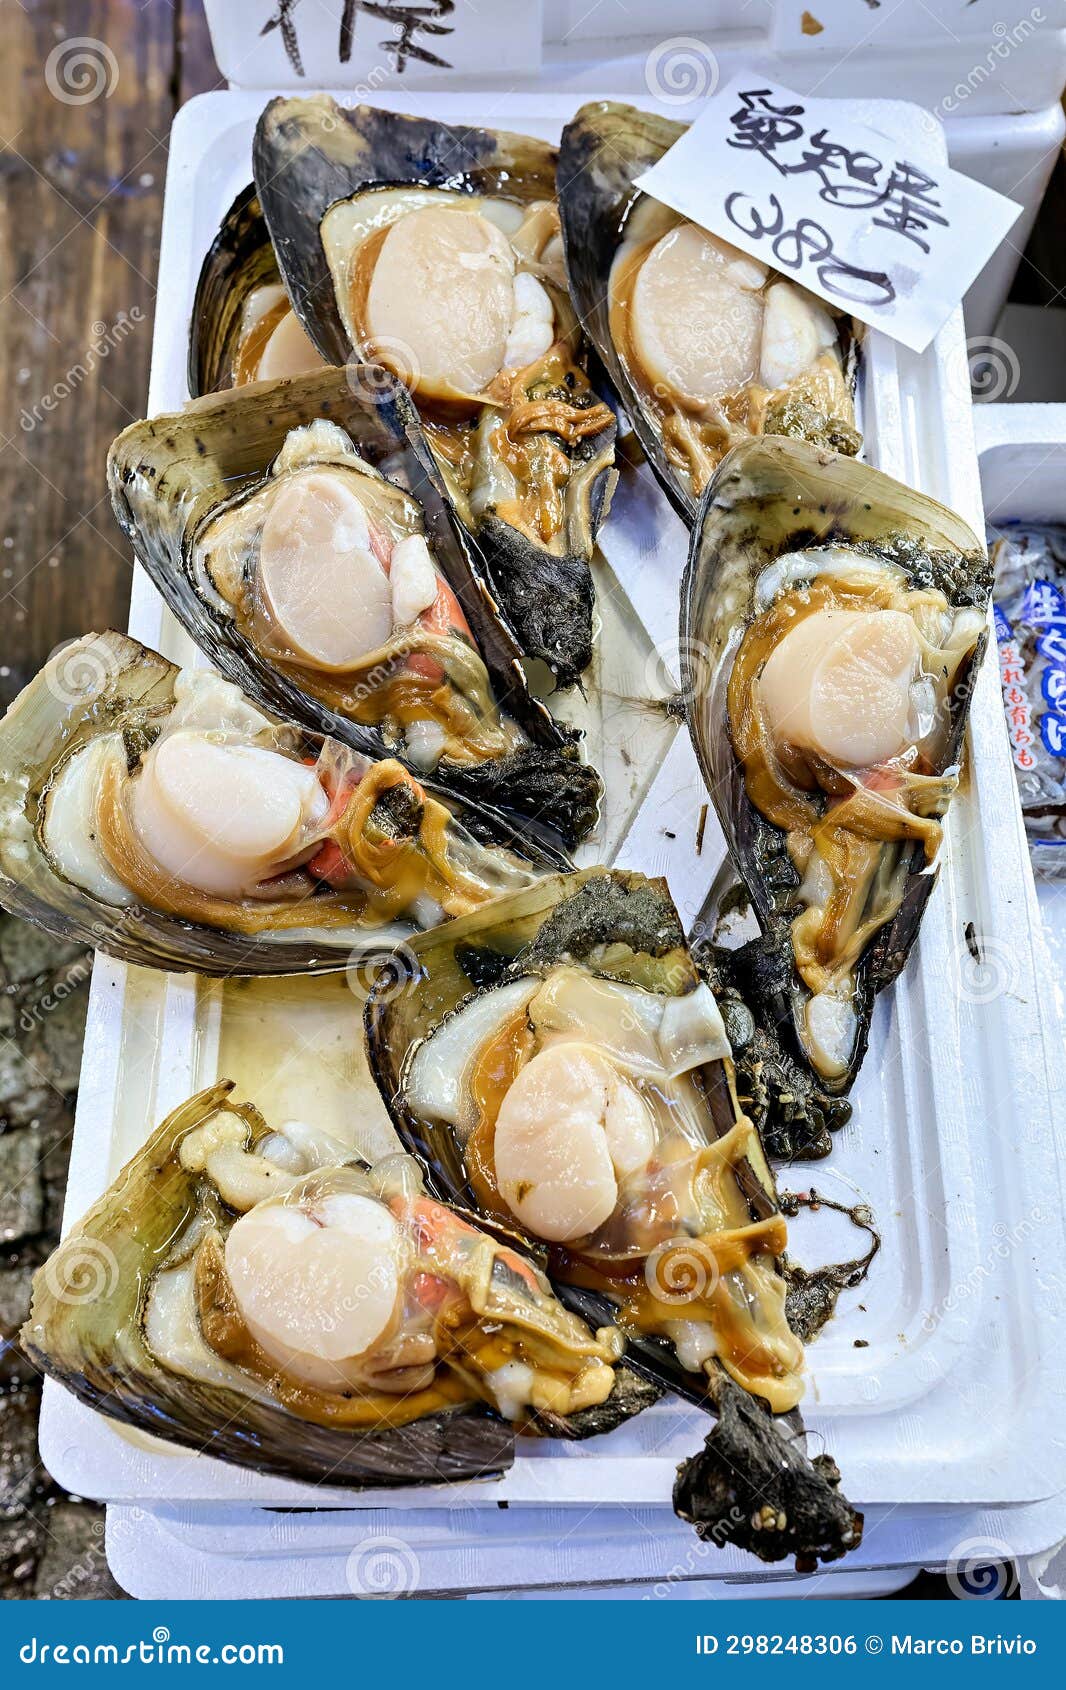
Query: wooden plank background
point(84, 133)
point(87, 96)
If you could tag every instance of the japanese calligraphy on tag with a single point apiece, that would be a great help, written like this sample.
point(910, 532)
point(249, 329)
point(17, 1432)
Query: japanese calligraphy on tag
point(873, 220)
point(370, 46)
point(415, 29)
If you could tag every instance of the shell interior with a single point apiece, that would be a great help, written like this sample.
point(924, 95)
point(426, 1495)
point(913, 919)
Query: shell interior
point(832, 623)
point(581, 991)
point(194, 493)
point(703, 344)
point(423, 1344)
point(618, 935)
point(243, 327)
point(434, 251)
point(161, 816)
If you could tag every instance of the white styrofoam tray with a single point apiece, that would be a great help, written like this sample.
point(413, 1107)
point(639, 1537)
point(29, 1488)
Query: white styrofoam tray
point(958, 1395)
point(203, 1551)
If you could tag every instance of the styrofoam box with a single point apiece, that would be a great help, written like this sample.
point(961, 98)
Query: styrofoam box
point(957, 56)
point(957, 1396)
point(198, 1551)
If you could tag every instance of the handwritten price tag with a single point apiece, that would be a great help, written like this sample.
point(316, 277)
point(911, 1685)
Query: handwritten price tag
point(869, 218)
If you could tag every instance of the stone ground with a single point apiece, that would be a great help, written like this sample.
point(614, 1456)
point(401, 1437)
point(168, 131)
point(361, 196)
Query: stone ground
point(51, 1544)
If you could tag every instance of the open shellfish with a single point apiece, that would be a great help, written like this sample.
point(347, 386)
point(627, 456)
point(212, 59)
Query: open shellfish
point(257, 1296)
point(296, 533)
point(832, 624)
point(157, 814)
point(558, 1065)
point(243, 327)
point(434, 250)
point(703, 344)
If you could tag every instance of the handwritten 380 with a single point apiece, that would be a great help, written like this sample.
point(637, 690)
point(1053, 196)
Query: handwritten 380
point(806, 241)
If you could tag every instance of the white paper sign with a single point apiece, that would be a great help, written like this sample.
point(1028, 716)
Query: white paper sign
point(371, 45)
point(870, 219)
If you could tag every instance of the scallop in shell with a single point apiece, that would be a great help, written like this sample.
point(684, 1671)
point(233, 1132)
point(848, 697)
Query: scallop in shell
point(558, 1065)
point(296, 533)
point(159, 815)
point(422, 1349)
point(243, 328)
point(434, 249)
point(832, 624)
point(703, 344)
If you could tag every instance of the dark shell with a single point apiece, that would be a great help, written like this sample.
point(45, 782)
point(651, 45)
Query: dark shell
point(94, 1345)
point(604, 148)
point(795, 1116)
point(754, 1486)
point(105, 681)
point(239, 260)
point(623, 926)
point(310, 153)
point(770, 496)
point(167, 475)
point(573, 916)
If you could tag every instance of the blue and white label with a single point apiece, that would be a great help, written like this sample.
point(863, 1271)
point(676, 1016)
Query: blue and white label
point(1053, 686)
point(1052, 646)
point(1043, 605)
point(1004, 631)
point(1053, 733)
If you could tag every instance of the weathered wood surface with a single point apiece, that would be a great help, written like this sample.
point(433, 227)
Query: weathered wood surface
point(84, 135)
point(87, 95)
